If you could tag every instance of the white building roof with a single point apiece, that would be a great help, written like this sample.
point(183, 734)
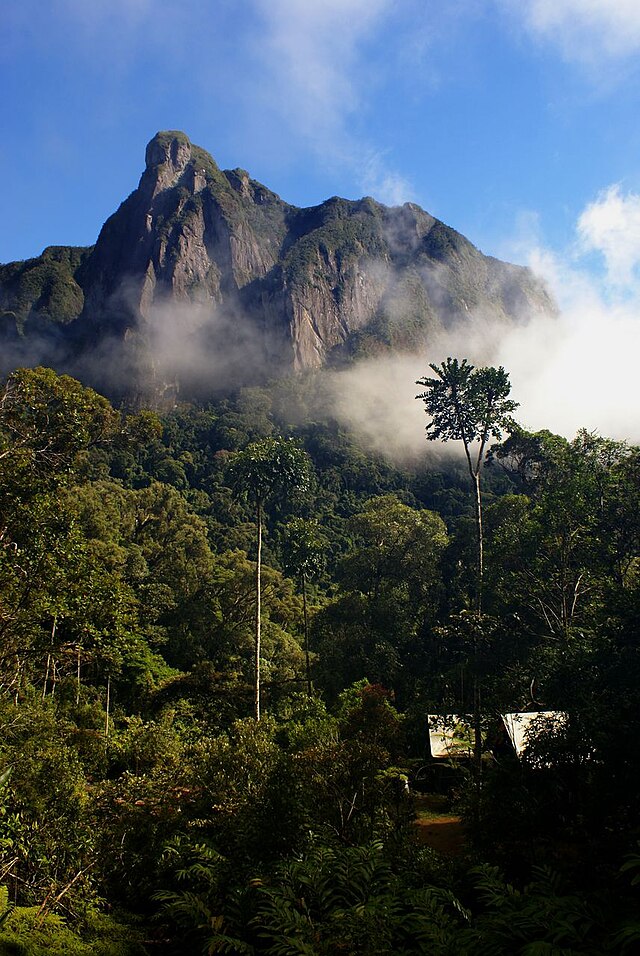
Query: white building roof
point(521, 727)
point(450, 735)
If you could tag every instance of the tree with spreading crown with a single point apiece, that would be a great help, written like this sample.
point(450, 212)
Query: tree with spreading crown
point(470, 405)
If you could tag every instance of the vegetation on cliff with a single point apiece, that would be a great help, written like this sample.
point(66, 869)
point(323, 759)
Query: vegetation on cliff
point(292, 287)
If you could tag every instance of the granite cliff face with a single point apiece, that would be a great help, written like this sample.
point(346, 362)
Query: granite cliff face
point(205, 279)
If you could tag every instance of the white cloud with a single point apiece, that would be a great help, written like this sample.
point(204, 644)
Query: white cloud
point(585, 30)
point(580, 370)
point(318, 78)
point(316, 48)
point(611, 226)
point(576, 370)
point(385, 185)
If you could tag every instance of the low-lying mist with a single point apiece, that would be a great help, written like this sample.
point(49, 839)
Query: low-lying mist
point(574, 370)
point(570, 370)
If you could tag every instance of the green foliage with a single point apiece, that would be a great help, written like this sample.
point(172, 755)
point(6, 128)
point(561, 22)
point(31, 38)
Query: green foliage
point(542, 918)
point(304, 547)
point(466, 403)
point(130, 773)
point(47, 841)
point(48, 287)
point(337, 899)
point(48, 421)
point(335, 236)
point(390, 589)
point(197, 907)
point(269, 466)
point(27, 932)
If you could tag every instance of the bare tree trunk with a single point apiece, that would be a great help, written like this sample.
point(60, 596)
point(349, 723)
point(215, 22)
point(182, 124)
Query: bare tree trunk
point(477, 715)
point(17, 680)
point(477, 731)
point(480, 542)
point(78, 678)
point(46, 676)
point(108, 707)
point(306, 632)
point(258, 610)
point(46, 673)
point(475, 470)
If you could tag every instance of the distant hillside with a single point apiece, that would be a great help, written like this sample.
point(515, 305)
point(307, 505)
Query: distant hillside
point(205, 279)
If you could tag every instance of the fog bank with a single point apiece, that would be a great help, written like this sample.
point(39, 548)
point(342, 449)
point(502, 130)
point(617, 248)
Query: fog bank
point(576, 370)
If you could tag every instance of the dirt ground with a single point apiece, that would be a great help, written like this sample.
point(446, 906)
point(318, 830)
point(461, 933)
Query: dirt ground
point(436, 826)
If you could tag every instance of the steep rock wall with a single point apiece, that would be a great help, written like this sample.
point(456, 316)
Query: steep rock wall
point(205, 279)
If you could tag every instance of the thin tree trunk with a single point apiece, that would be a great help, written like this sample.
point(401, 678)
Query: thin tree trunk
point(480, 542)
point(17, 680)
point(106, 719)
point(477, 714)
point(475, 469)
point(258, 610)
point(477, 739)
point(46, 676)
point(46, 906)
point(78, 678)
point(306, 632)
point(46, 673)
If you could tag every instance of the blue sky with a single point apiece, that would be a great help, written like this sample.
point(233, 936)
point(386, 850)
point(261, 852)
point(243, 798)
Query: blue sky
point(514, 121)
point(489, 113)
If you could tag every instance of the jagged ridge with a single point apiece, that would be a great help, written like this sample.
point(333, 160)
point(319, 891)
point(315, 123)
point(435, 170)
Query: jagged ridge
point(205, 278)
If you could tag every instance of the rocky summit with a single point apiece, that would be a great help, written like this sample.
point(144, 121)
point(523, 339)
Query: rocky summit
point(205, 279)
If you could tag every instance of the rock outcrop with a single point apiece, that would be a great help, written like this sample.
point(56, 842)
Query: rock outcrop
point(204, 279)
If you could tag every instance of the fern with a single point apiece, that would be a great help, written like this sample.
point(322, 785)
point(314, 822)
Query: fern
point(6, 908)
point(632, 865)
point(627, 939)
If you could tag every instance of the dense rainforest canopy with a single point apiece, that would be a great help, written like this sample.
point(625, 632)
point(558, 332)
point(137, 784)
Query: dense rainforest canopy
point(145, 809)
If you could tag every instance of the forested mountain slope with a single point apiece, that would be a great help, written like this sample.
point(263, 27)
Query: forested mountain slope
point(143, 808)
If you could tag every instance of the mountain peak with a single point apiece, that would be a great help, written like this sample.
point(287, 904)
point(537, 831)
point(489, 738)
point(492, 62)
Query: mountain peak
point(168, 148)
point(206, 279)
point(172, 159)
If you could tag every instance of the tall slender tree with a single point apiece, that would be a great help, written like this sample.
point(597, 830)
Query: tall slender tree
point(262, 470)
point(470, 405)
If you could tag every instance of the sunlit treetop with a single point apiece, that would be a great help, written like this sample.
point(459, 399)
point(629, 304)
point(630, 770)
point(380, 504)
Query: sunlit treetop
point(467, 404)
